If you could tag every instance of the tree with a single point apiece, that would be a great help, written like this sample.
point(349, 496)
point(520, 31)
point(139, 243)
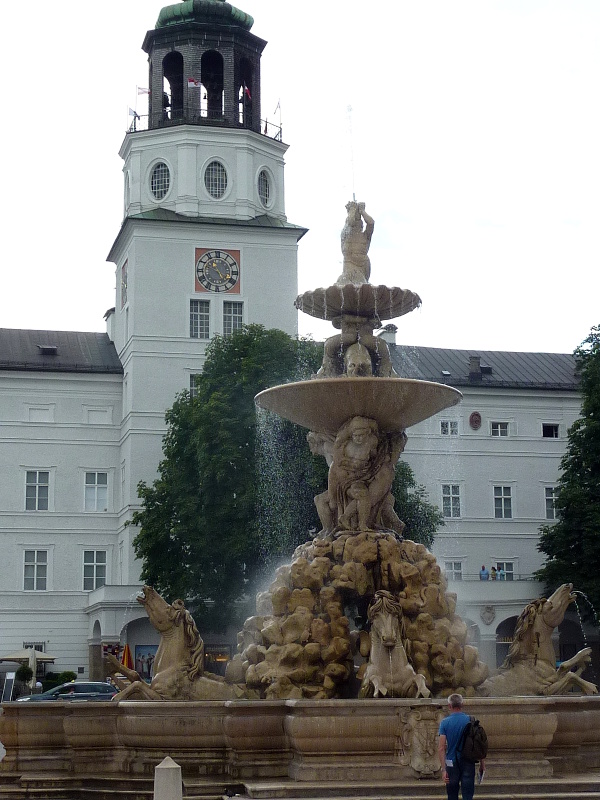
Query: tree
point(421, 518)
point(199, 525)
point(234, 493)
point(572, 544)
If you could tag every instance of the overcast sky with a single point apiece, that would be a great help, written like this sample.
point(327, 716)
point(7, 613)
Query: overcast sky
point(473, 138)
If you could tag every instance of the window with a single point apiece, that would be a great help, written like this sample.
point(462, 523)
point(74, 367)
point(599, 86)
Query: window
point(35, 572)
point(123, 284)
point(550, 431)
point(499, 428)
point(199, 319)
point(550, 493)
point(160, 180)
point(453, 570)
point(451, 499)
point(96, 491)
point(232, 317)
point(94, 569)
point(193, 387)
point(449, 427)
point(264, 188)
point(37, 487)
point(215, 179)
point(502, 502)
point(508, 567)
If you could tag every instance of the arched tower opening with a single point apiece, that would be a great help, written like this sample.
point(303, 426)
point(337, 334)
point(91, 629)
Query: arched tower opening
point(245, 85)
point(173, 86)
point(213, 83)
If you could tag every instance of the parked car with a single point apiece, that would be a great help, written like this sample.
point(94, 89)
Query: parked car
point(75, 690)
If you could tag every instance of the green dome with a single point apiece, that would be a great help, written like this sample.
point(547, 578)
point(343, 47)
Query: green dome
point(204, 11)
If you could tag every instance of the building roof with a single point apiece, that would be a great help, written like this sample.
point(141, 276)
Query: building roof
point(166, 215)
point(213, 11)
point(262, 221)
point(57, 351)
point(486, 368)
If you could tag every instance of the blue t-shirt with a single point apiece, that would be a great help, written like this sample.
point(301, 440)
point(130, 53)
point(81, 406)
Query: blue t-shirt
point(452, 727)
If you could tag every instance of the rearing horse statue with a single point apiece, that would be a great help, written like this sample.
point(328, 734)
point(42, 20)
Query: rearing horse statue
point(179, 663)
point(389, 672)
point(530, 666)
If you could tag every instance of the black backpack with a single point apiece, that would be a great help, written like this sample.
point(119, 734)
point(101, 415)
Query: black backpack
point(473, 743)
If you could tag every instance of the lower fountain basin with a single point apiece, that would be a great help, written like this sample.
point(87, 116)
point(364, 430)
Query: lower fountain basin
point(291, 740)
point(324, 404)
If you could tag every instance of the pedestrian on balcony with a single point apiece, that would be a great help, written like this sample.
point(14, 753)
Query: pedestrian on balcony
point(484, 575)
point(494, 574)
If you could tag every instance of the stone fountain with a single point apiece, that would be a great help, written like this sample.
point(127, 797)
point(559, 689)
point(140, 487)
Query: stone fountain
point(341, 675)
point(302, 643)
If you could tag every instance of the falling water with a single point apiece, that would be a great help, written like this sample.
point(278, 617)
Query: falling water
point(581, 624)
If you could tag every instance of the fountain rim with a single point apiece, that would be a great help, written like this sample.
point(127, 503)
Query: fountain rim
point(324, 404)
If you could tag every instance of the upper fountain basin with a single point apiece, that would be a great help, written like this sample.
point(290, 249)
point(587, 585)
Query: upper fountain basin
point(324, 404)
point(364, 300)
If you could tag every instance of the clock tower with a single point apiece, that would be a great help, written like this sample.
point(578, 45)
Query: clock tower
point(205, 246)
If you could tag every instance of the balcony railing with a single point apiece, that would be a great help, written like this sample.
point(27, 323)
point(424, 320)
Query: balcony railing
point(141, 122)
point(474, 576)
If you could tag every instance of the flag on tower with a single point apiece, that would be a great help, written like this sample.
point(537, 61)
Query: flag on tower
point(194, 83)
point(140, 90)
point(247, 92)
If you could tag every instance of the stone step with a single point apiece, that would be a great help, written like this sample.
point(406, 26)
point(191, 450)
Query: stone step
point(560, 787)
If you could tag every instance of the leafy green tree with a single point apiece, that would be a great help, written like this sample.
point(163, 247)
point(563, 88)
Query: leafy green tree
point(572, 544)
point(421, 517)
point(235, 489)
point(199, 525)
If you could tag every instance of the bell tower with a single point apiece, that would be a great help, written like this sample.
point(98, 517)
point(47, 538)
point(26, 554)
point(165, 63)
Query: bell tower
point(205, 246)
point(203, 148)
point(204, 66)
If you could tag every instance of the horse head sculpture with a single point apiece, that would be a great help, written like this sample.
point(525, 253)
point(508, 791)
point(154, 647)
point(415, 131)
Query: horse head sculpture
point(179, 663)
point(388, 671)
point(530, 666)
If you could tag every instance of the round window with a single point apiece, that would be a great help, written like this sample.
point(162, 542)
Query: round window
point(264, 188)
point(215, 179)
point(160, 180)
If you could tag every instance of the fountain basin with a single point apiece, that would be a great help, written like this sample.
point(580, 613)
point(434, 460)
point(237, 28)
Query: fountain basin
point(298, 740)
point(324, 404)
point(363, 300)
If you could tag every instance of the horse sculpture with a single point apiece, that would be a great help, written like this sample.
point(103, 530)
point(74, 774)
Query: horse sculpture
point(388, 671)
point(530, 666)
point(179, 663)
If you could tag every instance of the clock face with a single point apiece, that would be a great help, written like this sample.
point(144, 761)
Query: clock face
point(217, 271)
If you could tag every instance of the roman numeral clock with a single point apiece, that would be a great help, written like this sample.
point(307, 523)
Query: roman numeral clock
point(217, 270)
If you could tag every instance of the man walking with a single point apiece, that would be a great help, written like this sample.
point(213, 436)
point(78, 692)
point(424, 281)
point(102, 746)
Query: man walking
point(455, 772)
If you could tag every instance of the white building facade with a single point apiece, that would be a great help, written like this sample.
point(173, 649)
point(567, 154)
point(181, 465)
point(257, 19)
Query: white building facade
point(491, 464)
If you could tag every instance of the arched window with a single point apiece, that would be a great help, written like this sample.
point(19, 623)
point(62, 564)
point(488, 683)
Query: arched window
point(173, 86)
point(504, 637)
point(245, 94)
point(211, 75)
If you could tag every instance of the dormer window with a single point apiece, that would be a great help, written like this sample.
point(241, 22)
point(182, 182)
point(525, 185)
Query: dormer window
point(48, 349)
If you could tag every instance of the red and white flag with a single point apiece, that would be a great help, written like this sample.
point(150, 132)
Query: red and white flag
point(194, 83)
point(247, 92)
point(143, 91)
